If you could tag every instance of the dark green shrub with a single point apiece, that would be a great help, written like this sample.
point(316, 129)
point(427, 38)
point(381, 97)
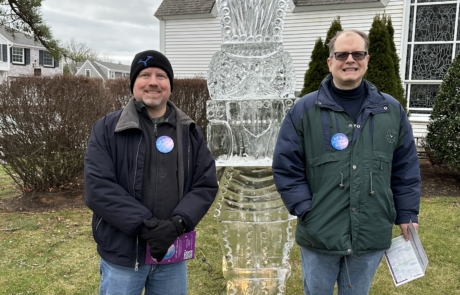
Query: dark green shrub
point(383, 67)
point(318, 68)
point(399, 89)
point(380, 68)
point(333, 29)
point(443, 136)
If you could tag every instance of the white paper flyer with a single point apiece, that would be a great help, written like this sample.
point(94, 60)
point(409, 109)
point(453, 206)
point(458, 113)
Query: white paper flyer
point(407, 261)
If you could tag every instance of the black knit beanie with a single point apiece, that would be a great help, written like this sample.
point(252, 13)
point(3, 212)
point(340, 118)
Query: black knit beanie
point(147, 59)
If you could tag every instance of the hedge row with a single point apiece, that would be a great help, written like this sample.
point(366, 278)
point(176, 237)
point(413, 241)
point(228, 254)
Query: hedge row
point(45, 122)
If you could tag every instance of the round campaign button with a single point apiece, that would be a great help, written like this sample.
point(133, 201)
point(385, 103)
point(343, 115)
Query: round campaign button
point(339, 141)
point(165, 144)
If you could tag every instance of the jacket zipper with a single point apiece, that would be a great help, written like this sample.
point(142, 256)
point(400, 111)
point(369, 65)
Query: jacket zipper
point(136, 266)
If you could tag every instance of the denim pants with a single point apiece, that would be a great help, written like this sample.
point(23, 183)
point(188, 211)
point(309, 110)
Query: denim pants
point(321, 271)
point(158, 279)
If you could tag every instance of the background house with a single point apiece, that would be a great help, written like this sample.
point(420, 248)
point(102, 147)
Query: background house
point(104, 70)
point(20, 56)
point(427, 37)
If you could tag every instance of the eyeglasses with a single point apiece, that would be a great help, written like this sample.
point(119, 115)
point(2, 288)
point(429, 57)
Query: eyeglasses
point(343, 55)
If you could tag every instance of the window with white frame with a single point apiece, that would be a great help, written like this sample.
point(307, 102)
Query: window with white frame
point(17, 55)
point(48, 60)
point(432, 42)
point(88, 73)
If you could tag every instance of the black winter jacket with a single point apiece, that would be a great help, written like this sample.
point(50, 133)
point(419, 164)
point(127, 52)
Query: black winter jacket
point(114, 165)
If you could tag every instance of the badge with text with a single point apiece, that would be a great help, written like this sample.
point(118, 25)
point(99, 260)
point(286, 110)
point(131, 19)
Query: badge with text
point(165, 144)
point(339, 141)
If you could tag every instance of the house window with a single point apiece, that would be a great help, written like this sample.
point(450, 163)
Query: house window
point(433, 40)
point(48, 60)
point(88, 73)
point(112, 74)
point(17, 55)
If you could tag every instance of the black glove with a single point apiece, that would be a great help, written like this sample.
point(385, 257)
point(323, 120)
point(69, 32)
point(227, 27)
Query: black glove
point(161, 235)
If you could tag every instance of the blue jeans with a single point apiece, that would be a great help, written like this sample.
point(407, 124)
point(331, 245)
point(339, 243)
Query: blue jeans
point(157, 279)
point(321, 272)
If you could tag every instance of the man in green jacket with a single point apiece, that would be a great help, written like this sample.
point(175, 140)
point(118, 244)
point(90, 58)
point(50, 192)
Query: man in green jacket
point(346, 165)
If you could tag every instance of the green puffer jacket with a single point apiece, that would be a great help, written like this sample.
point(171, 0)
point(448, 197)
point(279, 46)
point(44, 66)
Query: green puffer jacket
point(355, 195)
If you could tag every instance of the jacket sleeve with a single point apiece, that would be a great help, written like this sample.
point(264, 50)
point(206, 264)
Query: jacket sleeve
point(289, 169)
point(103, 193)
point(405, 175)
point(203, 187)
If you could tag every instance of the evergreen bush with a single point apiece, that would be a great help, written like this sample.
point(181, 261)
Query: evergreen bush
point(318, 68)
point(399, 89)
point(335, 27)
point(443, 138)
point(381, 70)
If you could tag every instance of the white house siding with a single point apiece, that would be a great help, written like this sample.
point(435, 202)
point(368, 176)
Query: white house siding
point(190, 43)
point(302, 29)
point(28, 70)
point(4, 66)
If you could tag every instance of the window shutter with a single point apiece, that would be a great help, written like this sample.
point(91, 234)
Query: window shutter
point(27, 54)
point(56, 63)
point(5, 52)
point(40, 57)
point(11, 54)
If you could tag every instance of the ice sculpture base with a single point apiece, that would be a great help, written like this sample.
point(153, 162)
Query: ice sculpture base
point(256, 232)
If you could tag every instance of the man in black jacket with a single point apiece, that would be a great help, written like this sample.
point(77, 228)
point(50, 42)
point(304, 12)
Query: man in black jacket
point(149, 178)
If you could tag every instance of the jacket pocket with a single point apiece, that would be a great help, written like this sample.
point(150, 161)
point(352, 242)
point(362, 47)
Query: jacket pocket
point(378, 197)
point(110, 238)
point(327, 171)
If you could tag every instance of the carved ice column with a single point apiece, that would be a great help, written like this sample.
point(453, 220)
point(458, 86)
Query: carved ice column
point(251, 82)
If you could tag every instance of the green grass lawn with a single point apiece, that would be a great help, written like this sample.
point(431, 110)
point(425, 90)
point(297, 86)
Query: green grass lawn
point(7, 187)
point(54, 253)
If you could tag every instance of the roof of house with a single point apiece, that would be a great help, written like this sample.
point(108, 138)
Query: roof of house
point(115, 66)
point(319, 2)
point(183, 7)
point(180, 7)
point(96, 65)
point(20, 38)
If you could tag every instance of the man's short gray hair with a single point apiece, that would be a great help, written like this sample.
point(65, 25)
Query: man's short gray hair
point(360, 33)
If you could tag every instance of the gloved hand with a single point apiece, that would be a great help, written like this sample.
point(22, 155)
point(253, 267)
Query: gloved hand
point(161, 235)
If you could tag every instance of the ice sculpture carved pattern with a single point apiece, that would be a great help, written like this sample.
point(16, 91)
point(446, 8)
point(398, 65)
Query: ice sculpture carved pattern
point(251, 82)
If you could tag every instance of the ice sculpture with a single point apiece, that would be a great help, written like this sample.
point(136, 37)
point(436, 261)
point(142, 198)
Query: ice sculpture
point(251, 82)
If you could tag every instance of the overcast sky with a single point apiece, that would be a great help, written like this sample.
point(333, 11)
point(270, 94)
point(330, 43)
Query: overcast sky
point(112, 28)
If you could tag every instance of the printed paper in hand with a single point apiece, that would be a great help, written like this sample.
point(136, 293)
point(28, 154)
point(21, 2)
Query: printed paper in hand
point(182, 249)
point(407, 261)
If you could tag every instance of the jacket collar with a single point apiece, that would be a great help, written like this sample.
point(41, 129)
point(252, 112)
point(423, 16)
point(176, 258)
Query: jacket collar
point(324, 98)
point(129, 118)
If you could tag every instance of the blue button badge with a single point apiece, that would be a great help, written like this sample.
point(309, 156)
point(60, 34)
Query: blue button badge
point(339, 141)
point(165, 144)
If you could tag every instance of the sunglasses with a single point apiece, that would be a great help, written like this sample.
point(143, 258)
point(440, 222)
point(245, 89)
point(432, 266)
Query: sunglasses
point(343, 55)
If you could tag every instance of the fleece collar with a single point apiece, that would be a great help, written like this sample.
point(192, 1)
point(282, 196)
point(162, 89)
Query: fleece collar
point(129, 118)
